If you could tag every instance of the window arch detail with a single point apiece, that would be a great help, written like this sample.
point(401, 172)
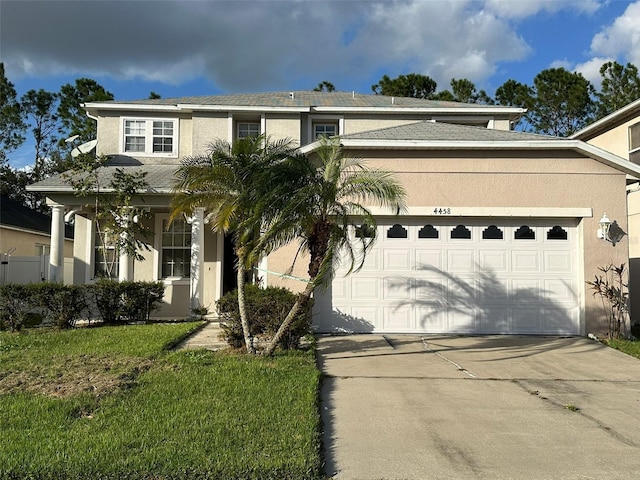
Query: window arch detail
point(524, 233)
point(365, 231)
point(492, 233)
point(397, 231)
point(557, 233)
point(428, 231)
point(461, 232)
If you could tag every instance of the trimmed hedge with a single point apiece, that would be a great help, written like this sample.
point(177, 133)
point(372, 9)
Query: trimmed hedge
point(266, 309)
point(63, 305)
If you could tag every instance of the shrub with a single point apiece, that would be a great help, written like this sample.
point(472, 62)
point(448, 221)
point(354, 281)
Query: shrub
point(266, 309)
point(15, 303)
point(106, 298)
point(121, 302)
point(64, 304)
point(139, 299)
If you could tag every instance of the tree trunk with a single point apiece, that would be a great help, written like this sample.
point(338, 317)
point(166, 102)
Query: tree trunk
point(302, 299)
point(242, 307)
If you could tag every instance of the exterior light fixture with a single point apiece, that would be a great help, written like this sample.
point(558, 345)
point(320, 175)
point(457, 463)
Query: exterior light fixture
point(603, 228)
point(609, 231)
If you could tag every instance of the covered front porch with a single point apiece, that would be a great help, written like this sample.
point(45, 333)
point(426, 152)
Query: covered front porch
point(194, 263)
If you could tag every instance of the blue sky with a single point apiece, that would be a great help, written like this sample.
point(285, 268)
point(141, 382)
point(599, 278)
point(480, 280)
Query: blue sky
point(192, 47)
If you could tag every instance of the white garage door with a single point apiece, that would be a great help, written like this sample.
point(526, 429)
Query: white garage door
point(460, 275)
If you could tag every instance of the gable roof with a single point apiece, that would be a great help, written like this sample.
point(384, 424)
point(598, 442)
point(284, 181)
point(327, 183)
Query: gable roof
point(445, 132)
point(612, 120)
point(428, 135)
point(14, 214)
point(306, 101)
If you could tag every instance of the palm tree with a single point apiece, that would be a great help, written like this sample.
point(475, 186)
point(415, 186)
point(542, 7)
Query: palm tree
point(228, 183)
point(320, 200)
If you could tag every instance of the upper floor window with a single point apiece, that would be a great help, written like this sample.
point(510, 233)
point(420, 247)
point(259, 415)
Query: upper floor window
point(634, 136)
point(324, 130)
point(248, 129)
point(150, 136)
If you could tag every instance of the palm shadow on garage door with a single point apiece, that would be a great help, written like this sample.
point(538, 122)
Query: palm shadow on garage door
point(436, 301)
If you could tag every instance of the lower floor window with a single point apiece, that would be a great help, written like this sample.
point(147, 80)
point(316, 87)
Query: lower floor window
point(176, 249)
point(42, 249)
point(106, 262)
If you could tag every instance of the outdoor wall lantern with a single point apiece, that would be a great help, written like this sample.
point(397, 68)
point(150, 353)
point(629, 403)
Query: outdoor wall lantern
point(609, 231)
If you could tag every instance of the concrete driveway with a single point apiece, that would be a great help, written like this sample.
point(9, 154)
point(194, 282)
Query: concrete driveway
point(411, 407)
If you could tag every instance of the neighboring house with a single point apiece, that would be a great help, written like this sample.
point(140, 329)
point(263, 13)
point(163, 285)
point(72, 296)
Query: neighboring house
point(499, 237)
point(27, 233)
point(619, 133)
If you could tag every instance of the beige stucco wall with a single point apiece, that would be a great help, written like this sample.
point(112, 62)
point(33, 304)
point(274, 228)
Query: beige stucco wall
point(207, 128)
point(615, 140)
point(23, 244)
point(283, 126)
point(513, 181)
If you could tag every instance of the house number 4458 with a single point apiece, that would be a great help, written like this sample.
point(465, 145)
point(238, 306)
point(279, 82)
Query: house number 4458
point(442, 211)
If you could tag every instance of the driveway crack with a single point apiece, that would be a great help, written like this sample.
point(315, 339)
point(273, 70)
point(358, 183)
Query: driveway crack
point(578, 411)
point(460, 368)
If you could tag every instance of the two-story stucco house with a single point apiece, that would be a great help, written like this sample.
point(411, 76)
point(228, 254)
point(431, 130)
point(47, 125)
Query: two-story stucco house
point(499, 237)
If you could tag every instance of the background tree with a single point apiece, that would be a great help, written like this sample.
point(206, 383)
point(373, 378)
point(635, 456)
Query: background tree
point(464, 91)
point(562, 102)
point(515, 94)
point(320, 201)
point(620, 86)
point(325, 86)
point(13, 184)
point(39, 107)
point(154, 96)
point(12, 124)
point(411, 85)
point(73, 118)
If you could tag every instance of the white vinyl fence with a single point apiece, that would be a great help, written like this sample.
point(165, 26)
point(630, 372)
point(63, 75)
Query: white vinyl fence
point(30, 269)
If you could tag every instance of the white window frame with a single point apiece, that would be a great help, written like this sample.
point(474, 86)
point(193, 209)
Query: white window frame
point(95, 238)
point(149, 136)
point(249, 124)
point(42, 249)
point(324, 120)
point(159, 229)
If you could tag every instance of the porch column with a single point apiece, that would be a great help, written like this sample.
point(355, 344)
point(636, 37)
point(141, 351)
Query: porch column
point(197, 258)
point(124, 261)
point(56, 258)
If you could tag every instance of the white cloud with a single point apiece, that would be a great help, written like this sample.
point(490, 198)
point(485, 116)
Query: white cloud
point(621, 39)
point(591, 70)
point(257, 45)
point(519, 9)
point(265, 45)
point(566, 64)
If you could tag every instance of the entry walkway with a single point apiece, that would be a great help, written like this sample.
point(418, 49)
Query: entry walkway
point(207, 336)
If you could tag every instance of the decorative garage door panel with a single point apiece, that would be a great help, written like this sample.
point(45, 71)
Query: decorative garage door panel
point(467, 276)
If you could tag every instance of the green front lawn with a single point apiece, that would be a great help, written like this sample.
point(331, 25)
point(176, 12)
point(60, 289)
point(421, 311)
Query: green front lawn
point(114, 402)
point(630, 347)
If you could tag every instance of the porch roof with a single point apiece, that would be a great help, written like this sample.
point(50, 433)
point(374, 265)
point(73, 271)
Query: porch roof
point(160, 179)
